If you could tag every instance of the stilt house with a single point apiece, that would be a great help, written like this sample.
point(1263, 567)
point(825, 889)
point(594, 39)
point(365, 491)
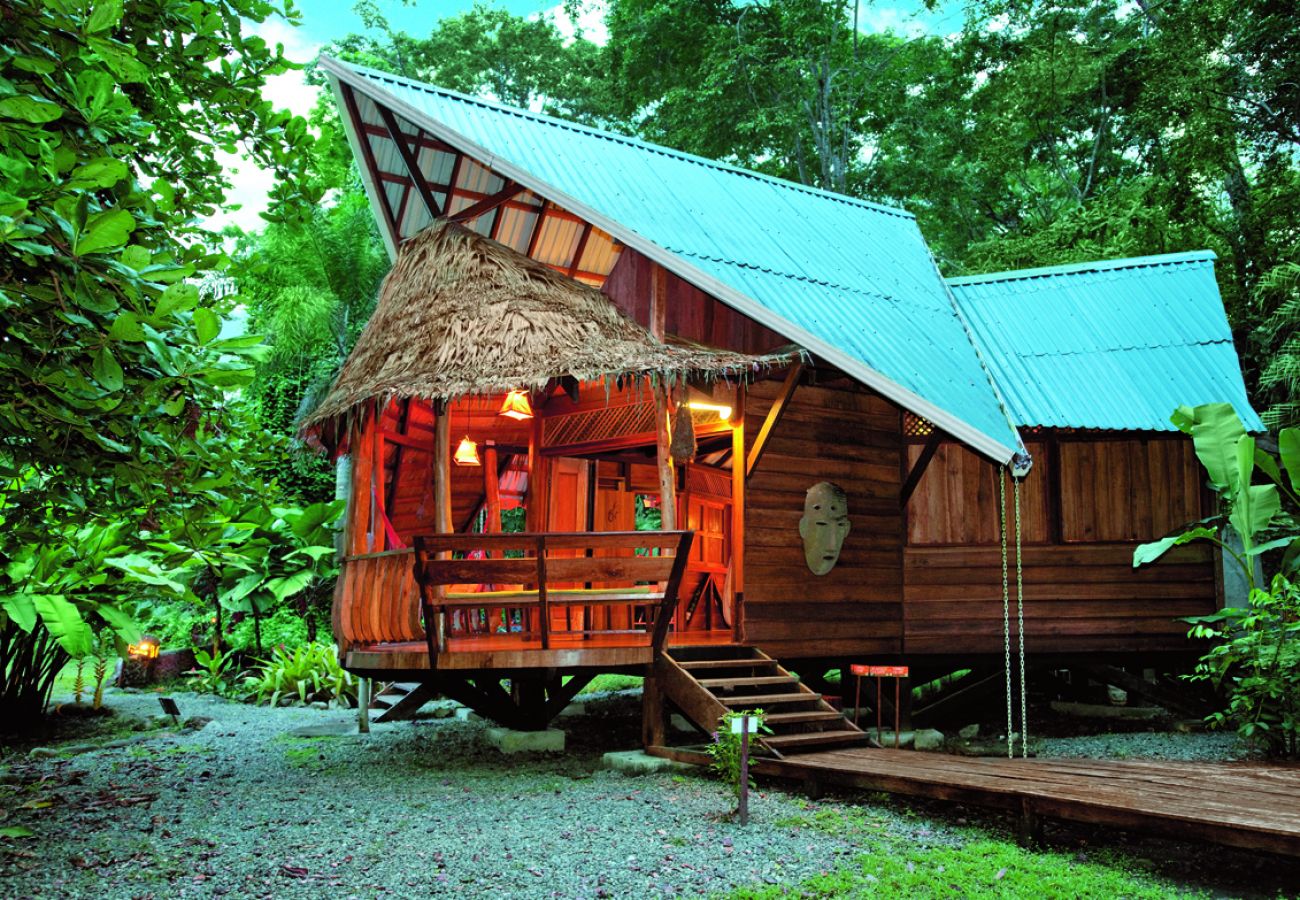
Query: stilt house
point(583, 333)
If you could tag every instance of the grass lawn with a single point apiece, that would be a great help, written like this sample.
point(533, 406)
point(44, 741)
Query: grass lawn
point(986, 866)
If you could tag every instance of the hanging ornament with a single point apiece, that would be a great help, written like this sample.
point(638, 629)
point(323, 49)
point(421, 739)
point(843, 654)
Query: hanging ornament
point(682, 446)
point(466, 453)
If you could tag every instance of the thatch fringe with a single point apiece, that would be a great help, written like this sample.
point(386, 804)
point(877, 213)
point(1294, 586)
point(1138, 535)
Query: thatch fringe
point(461, 315)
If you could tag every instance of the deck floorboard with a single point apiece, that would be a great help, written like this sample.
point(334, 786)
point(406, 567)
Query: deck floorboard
point(1247, 805)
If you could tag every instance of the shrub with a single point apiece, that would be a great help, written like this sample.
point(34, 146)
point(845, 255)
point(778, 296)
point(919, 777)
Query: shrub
point(724, 752)
point(306, 673)
point(1257, 658)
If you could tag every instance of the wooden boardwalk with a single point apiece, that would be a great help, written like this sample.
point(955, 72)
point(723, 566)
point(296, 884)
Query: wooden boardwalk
point(1247, 805)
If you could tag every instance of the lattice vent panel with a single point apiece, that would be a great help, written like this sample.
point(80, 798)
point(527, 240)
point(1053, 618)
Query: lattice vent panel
point(915, 426)
point(599, 425)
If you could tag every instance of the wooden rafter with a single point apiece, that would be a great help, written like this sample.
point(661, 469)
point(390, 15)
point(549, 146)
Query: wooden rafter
point(578, 251)
point(368, 159)
point(537, 228)
point(412, 164)
point(456, 165)
point(922, 462)
point(774, 414)
point(487, 204)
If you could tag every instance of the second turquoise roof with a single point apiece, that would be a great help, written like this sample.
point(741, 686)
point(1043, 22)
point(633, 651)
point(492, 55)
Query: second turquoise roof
point(1110, 345)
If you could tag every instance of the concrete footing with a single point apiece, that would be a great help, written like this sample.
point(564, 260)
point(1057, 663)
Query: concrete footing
point(510, 741)
point(637, 762)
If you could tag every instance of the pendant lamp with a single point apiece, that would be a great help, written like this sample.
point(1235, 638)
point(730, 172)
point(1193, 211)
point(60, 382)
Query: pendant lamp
point(516, 406)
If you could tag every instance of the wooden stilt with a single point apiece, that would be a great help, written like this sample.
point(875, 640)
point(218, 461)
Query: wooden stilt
point(491, 489)
point(442, 508)
point(653, 714)
point(363, 706)
point(738, 473)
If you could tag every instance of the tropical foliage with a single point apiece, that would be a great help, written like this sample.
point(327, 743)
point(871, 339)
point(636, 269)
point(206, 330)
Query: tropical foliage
point(1255, 657)
point(115, 418)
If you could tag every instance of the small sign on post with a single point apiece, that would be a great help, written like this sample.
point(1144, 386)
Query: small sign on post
point(898, 673)
point(744, 726)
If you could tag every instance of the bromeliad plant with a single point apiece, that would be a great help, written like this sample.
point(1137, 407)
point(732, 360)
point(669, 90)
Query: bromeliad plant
point(1256, 653)
point(213, 674)
point(306, 673)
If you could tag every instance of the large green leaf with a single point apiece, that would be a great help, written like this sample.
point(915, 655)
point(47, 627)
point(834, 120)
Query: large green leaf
point(177, 297)
point(107, 370)
point(289, 585)
point(26, 108)
point(1215, 434)
point(206, 324)
point(125, 626)
point(1288, 447)
point(105, 231)
point(98, 173)
point(1146, 553)
point(65, 624)
point(20, 609)
point(1252, 511)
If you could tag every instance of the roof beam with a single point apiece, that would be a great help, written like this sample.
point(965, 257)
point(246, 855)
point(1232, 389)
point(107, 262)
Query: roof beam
point(922, 462)
point(487, 204)
point(412, 164)
point(368, 160)
point(578, 251)
point(774, 414)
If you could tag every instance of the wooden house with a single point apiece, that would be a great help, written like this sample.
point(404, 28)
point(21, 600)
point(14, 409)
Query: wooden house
point(591, 326)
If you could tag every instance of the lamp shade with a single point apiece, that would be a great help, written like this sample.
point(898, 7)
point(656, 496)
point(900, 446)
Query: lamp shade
point(466, 453)
point(516, 406)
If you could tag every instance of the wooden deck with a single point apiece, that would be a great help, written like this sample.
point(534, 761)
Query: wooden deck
point(1246, 805)
point(518, 651)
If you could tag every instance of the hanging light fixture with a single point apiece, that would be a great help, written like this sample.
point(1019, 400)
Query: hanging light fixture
point(467, 450)
point(516, 406)
point(466, 453)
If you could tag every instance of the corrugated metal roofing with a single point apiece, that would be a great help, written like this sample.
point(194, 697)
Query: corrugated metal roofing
point(1113, 345)
point(854, 282)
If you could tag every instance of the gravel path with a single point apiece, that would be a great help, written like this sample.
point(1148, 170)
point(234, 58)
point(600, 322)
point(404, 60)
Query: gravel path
point(245, 809)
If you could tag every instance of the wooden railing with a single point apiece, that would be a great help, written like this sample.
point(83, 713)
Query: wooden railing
point(540, 571)
point(377, 599)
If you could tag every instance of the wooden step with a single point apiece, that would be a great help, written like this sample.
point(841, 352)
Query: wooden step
point(692, 665)
point(768, 699)
point(800, 718)
point(747, 681)
point(702, 652)
point(784, 743)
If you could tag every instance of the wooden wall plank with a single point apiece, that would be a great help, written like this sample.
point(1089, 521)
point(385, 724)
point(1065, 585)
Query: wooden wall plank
point(851, 438)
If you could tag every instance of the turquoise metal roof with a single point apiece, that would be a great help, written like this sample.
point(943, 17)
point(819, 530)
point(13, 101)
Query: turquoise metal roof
point(853, 282)
point(1108, 345)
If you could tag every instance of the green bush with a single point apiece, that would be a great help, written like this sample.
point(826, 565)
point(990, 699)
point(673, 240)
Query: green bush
point(305, 673)
point(1256, 656)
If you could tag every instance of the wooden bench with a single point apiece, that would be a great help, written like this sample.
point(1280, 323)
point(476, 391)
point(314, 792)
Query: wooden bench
point(635, 567)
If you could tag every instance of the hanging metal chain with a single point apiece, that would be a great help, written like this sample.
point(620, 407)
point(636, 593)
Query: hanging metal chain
point(1020, 629)
point(1006, 605)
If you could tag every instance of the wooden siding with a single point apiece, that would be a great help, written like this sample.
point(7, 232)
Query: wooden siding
point(1131, 490)
point(1086, 506)
point(691, 313)
point(1077, 598)
point(851, 438)
point(956, 500)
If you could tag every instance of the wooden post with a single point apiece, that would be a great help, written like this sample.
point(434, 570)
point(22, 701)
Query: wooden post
point(491, 489)
point(652, 714)
point(667, 478)
point(363, 706)
point(441, 503)
point(738, 473)
point(743, 806)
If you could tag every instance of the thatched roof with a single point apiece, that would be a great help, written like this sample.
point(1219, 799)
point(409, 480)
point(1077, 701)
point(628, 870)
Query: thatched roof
point(461, 315)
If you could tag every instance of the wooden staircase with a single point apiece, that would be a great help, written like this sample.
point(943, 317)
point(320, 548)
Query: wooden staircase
point(401, 700)
point(706, 682)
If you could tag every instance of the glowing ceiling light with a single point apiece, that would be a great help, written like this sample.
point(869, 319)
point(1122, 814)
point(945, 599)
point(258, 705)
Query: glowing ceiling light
point(466, 453)
point(516, 406)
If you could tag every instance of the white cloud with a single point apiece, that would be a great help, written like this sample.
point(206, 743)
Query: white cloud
point(899, 20)
point(591, 19)
point(250, 184)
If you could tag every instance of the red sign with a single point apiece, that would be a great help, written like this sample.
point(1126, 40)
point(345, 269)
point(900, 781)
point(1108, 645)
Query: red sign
point(880, 671)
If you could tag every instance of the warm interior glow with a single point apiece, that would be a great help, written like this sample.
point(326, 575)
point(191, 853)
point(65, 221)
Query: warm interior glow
point(724, 412)
point(516, 406)
point(146, 649)
point(466, 453)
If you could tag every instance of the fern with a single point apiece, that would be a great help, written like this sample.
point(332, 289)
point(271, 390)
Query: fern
point(1277, 296)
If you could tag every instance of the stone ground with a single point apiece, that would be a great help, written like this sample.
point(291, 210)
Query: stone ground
point(292, 802)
